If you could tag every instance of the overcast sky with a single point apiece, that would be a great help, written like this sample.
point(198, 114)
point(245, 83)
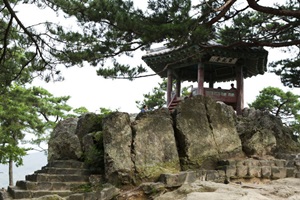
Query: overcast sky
point(91, 91)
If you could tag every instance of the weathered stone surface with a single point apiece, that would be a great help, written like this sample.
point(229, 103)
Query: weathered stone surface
point(108, 192)
point(88, 123)
point(231, 171)
point(4, 194)
point(154, 145)
point(64, 144)
point(176, 180)
point(241, 171)
point(266, 172)
point(279, 189)
point(205, 131)
point(93, 151)
point(261, 143)
point(117, 141)
point(222, 122)
point(255, 171)
point(88, 146)
point(50, 197)
point(278, 172)
point(264, 134)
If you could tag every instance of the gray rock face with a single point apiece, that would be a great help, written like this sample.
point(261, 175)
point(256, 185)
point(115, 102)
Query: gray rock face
point(64, 143)
point(205, 132)
point(264, 134)
point(154, 145)
point(117, 141)
point(279, 190)
point(87, 123)
point(197, 135)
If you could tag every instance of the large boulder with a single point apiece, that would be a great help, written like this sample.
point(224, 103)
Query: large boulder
point(89, 132)
point(197, 135)
point(64, 144)
point(117, 142)
point(88, 123)
point(206, 133)
point(264, 134)
point(154, 145)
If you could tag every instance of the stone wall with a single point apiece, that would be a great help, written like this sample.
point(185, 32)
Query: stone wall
point(245, 170)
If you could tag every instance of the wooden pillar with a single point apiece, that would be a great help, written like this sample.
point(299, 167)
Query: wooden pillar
point(169, 86)
point(200, 79)
point(240, 90)
point(178, 87)
point(211, 85)
point(211, 80)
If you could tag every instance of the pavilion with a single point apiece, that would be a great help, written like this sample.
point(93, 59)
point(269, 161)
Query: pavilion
point(211, 64)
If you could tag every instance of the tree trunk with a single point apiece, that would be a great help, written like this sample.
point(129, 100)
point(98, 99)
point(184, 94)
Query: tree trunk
point(10, 173)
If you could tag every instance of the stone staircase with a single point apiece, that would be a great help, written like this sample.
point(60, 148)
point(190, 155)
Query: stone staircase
point(57, 177)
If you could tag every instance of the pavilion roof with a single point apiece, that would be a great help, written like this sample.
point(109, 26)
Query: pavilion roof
point(219, 62)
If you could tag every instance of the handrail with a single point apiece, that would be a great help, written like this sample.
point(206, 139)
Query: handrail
point(173, 98)
point(225, 95)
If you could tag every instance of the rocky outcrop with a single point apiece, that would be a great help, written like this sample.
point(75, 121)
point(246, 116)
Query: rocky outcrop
point(64, 143)
point(205, 132)
point(264, 134)
point(279, 190)
point(197, 135)
point(201, 140)
point(88, 123)
point(154, 148)
point(117, 141)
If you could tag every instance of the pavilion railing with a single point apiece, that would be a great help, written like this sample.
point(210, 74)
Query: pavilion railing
point(226, 96)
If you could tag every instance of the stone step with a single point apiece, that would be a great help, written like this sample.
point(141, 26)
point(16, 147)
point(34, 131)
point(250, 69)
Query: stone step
point(66, 164)
point(83, 196)
point(56, 178)
point(17, 193)
point(28, 185)
point(55, 170)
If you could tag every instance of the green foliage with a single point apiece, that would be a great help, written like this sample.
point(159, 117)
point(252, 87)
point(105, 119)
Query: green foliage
point(157, 98)
point(94, 156)
point(285, 105)
point(105, 111)
point(82, 188)
point(80, 111)
point(109, 29)
point(273, 29)
point(288, 70)
point(26, 116)
point(24, 52)
point(279, 103)
point(117, 27)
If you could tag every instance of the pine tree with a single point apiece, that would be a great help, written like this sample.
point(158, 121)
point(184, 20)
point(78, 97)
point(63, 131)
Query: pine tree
point(285, 105)
point(26, 116)
point(109, 29)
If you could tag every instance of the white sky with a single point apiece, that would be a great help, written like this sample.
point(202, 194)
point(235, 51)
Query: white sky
point(91, 91)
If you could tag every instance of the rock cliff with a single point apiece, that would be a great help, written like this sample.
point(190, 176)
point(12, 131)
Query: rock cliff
point(197, 135)
point(168, 155)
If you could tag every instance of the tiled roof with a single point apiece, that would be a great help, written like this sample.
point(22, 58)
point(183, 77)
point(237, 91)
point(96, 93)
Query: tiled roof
point(219, 62)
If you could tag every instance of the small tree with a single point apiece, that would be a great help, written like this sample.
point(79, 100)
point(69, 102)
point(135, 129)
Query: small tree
point(285, 105)
point(25, 117)
point(157, 99)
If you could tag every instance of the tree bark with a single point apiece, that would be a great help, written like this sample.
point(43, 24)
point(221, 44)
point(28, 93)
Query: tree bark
point(10, 173)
